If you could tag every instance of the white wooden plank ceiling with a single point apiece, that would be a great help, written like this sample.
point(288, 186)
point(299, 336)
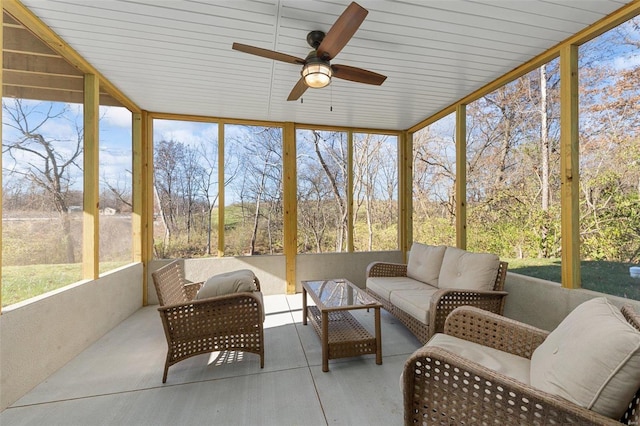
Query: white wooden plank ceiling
point(175, 56)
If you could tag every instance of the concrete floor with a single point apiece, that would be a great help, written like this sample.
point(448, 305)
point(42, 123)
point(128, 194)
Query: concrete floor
point(118, 380)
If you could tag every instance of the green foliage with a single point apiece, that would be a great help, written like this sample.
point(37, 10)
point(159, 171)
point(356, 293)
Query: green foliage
point(612, 232)
point(435, 231)
point(383, 238)
point(25, 281)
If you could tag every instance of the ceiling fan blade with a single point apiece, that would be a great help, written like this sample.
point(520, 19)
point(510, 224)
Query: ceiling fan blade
point(266, 53)
point(297, 90)
point(342, 31)
point(358, 75)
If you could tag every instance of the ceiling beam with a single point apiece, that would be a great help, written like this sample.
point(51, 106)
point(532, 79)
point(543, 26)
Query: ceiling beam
point(21, 40)
point(27, 18)
point(42, 81)
point(53, 95)
point(19, 61)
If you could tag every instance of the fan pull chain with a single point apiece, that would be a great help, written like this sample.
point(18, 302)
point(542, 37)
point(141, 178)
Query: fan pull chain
point(331, 98)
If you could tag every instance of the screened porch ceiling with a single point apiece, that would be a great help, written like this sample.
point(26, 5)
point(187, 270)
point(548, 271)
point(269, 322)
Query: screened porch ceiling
point(176, 56)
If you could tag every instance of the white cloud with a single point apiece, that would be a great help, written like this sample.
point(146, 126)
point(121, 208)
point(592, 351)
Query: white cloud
point(626, 62)
point(189, 133)
point(115, 116)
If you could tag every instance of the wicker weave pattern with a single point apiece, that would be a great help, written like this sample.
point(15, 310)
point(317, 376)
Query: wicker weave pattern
point(191, 289)
point(632, 415)
point(440, 387)
point(384, 269)
point(193, 327)
point(347, 337)
point(443, 301)
point(169, 281)
point(495, 331)
point(631, 316)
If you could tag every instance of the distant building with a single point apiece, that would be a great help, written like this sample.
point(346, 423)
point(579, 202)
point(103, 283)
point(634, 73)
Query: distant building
point(108, 211)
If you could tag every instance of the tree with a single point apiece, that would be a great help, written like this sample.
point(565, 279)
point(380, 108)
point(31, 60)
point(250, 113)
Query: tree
point(375, 186)
point(117, 194)
point(258, 185)
point(208, 184)
point(322, 199)
point(167, 160)
point(609, 149)
point(43, 159)
point(434, 177)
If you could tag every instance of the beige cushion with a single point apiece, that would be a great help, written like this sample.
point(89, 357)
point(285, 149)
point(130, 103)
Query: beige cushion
point(469, 271)
point(505, 363)
point(424, 263)
point(592, 359)
point(383, 286)
point(414, 302)
point(226, 283)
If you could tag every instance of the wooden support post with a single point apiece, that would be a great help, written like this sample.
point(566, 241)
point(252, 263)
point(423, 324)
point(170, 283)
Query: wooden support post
point(139, 223)
point(405, 191)
point(290, 188)
point(1, 121)
point(137, 165)
point(91, 194)
point(221, 189)
point(569, 169)
point(461, 176)
point(147, 194)
point(350, 218)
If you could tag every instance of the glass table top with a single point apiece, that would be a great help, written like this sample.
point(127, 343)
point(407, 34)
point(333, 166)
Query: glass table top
point(337, 293)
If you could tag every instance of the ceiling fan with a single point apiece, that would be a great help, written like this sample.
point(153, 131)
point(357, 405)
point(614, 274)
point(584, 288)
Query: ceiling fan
point(317, 70)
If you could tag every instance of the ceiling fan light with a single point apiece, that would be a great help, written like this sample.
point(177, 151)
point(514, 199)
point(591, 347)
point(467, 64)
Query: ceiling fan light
point(317, 74)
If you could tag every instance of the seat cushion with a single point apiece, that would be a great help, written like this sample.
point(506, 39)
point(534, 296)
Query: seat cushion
point(424, 263)
point(514, 366)
point(383, 286)
point(414, 302)
point(592, 359)
point(226, 283)
point(468, 271)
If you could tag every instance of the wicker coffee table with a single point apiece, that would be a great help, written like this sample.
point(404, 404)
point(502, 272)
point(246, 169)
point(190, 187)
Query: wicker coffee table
point(340, 333)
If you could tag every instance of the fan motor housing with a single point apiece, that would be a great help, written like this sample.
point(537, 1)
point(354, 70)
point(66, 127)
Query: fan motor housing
point(314, 38)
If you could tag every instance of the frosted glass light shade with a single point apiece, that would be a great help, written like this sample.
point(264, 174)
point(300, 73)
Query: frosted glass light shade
point(317, 74)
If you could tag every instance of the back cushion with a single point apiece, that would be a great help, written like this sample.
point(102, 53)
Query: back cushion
point(468, 271)
point(425, 262)
point(226, 283)
point(592, 359)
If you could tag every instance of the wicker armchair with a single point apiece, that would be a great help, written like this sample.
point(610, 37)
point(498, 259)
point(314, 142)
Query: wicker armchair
point(193, 327)
point(442, 302)
point(441, 387)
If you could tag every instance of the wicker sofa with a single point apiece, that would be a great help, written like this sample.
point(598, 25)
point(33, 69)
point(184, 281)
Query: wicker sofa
point(436, 280)
point(488, 369)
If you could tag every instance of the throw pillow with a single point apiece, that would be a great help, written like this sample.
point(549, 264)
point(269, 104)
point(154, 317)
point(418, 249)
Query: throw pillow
point(226, 283)
point(468, 271)
point(424, 263)
point(592, 359)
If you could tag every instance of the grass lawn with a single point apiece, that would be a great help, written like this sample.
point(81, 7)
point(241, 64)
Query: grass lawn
point(23, 282)
point(605, 277)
